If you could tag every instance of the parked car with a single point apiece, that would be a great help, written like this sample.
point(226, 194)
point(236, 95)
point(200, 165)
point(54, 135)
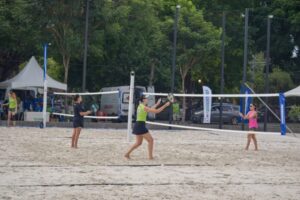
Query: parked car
point(118, 104)
point(230, 114)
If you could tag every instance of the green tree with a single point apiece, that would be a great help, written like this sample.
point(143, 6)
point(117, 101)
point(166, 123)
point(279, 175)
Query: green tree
point(63, 19)
point(285, 33)
point(279, 80)
point(234, 46)
point(19, 36)
point(256, 74)
point(198, 45)
point(125, 36)
point(137, 35)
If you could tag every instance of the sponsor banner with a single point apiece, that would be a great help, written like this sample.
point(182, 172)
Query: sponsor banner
point(207, 101)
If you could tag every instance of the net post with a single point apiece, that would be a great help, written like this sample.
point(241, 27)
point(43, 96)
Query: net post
point(282, 114)
point(120, 105)
point(130, 106)
point(45, 104)
point(45, 87)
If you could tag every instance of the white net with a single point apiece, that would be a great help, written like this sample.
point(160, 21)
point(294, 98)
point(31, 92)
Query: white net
point(96, 102)
point(191, 108)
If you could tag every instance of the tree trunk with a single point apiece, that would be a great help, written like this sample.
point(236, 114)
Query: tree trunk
point(66, 62)
point(184, 69)
point(152, 71)
point(183, 98)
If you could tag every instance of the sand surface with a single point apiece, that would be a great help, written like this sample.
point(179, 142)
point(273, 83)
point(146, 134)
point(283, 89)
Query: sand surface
point(39, 164)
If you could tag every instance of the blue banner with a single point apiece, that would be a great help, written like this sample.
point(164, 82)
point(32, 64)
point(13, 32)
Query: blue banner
point(282, 113)
point(245, 106)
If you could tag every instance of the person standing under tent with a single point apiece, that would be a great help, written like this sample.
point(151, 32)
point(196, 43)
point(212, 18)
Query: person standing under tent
point(12, 108)
point(140, 129)
point(79, 113)
point(20, 109)
point(176, 111)
point(253, 125)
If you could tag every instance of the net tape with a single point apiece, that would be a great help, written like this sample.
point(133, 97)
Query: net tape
point(90, 117)
point(213, 95)
point(218, 96)
point(85, 93)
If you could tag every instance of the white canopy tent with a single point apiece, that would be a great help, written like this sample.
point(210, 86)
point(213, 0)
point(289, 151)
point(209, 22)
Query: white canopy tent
point(31, 76)
point(293, 92)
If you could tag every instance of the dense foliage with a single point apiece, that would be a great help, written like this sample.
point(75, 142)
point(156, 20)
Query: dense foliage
point(137, 35)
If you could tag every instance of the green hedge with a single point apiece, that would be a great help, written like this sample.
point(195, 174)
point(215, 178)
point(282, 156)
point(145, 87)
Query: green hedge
point(294, 113)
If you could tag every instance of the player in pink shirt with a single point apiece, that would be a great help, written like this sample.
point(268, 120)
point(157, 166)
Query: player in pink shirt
point(253, 125)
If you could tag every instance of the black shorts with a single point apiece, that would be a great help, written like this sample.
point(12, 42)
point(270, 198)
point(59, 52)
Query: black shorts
point(139, 128)
point(77, 123)
point(252, 129)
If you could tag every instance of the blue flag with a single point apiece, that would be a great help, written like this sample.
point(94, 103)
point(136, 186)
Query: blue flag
point(282, 113)
point(245, 107)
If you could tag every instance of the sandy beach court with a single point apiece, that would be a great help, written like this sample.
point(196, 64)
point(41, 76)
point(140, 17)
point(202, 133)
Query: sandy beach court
point(39, 164)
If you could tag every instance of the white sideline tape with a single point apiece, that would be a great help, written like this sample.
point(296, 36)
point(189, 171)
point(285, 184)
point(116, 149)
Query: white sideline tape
point(214, 95)
point(91, 117)
point(210, 129)
point(86, 93)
